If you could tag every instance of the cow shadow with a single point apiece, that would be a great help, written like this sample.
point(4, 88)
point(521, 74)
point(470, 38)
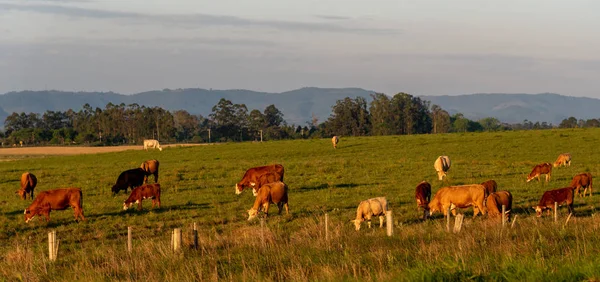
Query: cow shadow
point(163, 209)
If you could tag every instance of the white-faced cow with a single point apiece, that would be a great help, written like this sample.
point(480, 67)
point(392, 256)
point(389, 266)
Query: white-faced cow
point(442, 165)
point(148, 191)
point(59, 199)
point(560, 196)
point(252, 175)
point(28, 183)
point(151, 143)
point(370, 208)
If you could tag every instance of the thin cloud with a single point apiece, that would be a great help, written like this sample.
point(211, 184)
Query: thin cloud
point(333, 17)
point(192, 19)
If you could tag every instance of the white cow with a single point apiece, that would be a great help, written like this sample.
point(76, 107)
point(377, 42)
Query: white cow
point(369, 208)
point(151, 143)
point(442, 165)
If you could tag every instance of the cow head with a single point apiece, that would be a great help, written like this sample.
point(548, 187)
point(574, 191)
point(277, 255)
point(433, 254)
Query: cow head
point(357, 223)
point(21, 194)
point(115, 189)
point(239, 188)
point(539, 210)
point(160, 149)
point(28, 215)
point(252, 213)
point(441, 175)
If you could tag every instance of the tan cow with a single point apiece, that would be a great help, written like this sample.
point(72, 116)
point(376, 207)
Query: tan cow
point(442, 165)
point(462, 196)
point(151, 143)
point(272, 193)
point(369, 208)
point(538, 170)
point(494, 204)
point(563, 159)
point(151, 168)
point(334, 141)
point(582, 180)
point(28, 183)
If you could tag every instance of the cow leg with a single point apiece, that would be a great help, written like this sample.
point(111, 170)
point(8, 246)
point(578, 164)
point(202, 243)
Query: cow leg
point(280, 207)
point(139, 204)
point(156, 177)
point(266, 206)
point(475, 211)
point(381, 221)
point(287, 209)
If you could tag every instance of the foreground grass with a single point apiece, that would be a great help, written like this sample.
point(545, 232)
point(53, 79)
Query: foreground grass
point(198, 186)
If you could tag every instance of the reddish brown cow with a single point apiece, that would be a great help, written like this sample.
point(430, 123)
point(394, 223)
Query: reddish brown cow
point(28, 182)
point(495, 201)
point(545, 168)
point(148, 191)
point(560, 196)
point(423, 194)
point(582, 180)
point(276, 193)
point(266, 178)
point(490, 187)
point(251, 176)
point(59, 199)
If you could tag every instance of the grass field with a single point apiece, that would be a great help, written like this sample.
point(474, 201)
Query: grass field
point(198, 186)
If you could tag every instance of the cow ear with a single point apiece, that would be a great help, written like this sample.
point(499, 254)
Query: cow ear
point(252, 184)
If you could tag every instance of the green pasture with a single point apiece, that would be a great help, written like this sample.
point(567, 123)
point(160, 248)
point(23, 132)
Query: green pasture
point(198, 187)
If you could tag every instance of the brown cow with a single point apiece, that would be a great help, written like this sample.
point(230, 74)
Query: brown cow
point(272, 193)
point(335, 140)
point(560, 196)
point(563, 159)
point(490, 187)
point(423, 194)
point(462, 196)
point(28, 183)
point(59, 199)
point(494, 204)
point(582, 180)
point(545, 168)
point(251, 176)
point(147, 191)
point(266, 178)
point(151, 168)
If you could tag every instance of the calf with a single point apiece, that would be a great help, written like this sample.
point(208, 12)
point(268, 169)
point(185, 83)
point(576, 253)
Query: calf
point(148, 191)
point(582, 180)
point(560, 196)
point(494, 204)
point(129, 178)
point(545, 168)
point(369, 208)
point(423, 196)
point(272, 193)
point(28, 183)
point(59, 199)
point(151, 168)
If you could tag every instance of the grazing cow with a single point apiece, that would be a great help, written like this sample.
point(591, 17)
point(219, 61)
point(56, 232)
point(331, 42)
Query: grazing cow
point(148, 191)
point(59, 199)
point(266, 178)
point(28, 182)
point(272, 193)
point(334, 141)
point(129, 178)
point(560, 196)
point(494, 204)
point(423, 194)
point(369, 208)
point(582, 180)
point(462, 196)
point(490, 187)
point(251, 176)
point(151, 143)
point(151, 168)
point(442, 165)
point(545, 168)
point(563, 159)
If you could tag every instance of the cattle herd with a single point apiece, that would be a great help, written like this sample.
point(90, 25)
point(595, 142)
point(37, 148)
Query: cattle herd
point(268, 188)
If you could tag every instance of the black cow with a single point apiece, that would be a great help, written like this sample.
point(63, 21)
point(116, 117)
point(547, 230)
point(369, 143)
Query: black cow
point(129, 178)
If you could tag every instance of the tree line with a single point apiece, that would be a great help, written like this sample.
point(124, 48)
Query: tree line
point(130, 124)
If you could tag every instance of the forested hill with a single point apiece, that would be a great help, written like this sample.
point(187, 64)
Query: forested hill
point(296, 105)
point(515, 108)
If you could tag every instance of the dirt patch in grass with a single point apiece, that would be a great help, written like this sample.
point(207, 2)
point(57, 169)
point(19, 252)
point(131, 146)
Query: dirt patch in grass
point(19, 152)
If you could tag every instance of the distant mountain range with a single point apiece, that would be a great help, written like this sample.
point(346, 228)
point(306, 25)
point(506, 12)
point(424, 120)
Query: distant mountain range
point(299, 105)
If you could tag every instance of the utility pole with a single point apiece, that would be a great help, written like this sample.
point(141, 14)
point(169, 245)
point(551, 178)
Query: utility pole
point(260, 135)
point(209, 135)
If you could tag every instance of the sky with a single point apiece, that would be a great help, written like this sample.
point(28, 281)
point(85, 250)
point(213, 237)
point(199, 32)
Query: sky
point(419, 47)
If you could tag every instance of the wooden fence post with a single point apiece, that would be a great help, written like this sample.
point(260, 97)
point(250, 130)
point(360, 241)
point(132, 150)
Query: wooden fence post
point(389, 223)
point(567, 221)
point(129, 248)
point(195, 236)
point(458, 222)
point(555, 212)
point(176, 239)
point(52, 246)
point(503, 215)
point(512, 225)
point(327, 228)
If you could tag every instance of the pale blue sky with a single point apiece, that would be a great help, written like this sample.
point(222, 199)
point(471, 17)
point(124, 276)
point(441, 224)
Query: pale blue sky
point(419, 47)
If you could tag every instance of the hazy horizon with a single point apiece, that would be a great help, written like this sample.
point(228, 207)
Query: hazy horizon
point(423, 48)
